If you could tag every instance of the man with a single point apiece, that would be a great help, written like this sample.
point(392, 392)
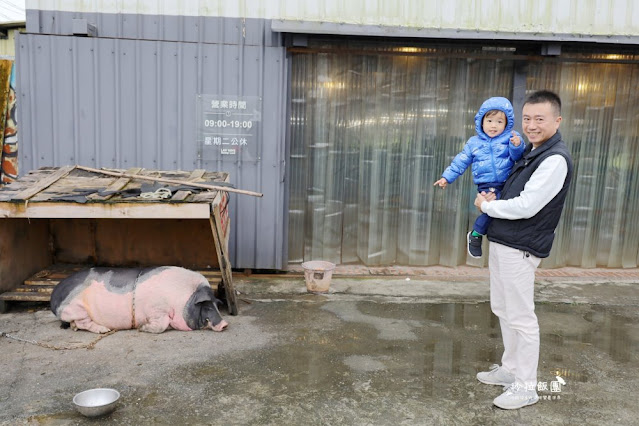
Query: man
point(520, 235)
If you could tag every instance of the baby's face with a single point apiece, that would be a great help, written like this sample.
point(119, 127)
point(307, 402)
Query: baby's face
point(494, 125)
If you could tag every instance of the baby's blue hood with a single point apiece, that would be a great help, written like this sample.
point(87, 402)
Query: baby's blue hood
point(498, 103)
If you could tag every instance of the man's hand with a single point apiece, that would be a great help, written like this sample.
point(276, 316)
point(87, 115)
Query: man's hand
point(441, 182)
point(483, 196)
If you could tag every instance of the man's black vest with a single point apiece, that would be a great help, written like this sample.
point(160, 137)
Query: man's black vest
point(536, 234)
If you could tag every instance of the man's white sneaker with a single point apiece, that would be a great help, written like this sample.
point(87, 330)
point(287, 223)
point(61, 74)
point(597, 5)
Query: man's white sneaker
point(516, 396)
point(496, 376)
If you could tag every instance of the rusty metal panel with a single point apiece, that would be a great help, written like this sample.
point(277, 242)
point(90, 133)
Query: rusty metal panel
point(115, 102)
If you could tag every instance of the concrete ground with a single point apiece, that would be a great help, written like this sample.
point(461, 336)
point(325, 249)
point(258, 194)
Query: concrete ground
point(375, 350)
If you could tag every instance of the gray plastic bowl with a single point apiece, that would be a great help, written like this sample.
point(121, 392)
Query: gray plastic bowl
point(96, 402)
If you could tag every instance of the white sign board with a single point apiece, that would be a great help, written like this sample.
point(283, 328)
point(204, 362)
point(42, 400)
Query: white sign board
point(228, 127)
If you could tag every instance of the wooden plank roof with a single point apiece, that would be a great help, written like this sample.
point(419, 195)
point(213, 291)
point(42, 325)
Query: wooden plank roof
point(73, 192)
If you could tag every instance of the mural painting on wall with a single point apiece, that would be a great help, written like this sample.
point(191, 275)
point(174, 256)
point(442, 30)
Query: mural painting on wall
point(8, 123)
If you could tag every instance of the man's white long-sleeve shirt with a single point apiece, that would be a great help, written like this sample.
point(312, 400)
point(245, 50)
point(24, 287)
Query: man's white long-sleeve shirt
point(543, 185)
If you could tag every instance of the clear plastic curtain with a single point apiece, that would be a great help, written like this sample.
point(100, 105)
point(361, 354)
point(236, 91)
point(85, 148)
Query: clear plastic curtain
point(601, 127)
point(369, 136)
point(370, 133)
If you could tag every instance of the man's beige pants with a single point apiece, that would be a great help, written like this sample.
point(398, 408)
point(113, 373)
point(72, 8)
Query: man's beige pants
point(512, 288)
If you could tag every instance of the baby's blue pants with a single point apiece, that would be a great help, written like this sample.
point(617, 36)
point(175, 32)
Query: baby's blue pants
point(482, 222)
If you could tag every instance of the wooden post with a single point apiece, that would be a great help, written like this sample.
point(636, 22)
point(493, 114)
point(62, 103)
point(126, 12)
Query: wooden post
point(171, 181)
point(220, 229)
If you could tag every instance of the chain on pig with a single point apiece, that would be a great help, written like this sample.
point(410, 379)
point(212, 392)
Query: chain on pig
point(58, 348)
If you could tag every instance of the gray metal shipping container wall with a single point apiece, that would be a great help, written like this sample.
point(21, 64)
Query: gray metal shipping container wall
point(127, 98)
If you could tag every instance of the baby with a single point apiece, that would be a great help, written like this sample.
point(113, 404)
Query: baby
point(492, 153)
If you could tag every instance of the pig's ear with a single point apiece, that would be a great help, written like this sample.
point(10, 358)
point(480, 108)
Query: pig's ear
point(202, 295)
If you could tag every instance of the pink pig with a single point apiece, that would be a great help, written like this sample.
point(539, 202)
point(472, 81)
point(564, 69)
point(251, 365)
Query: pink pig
point(150, 299)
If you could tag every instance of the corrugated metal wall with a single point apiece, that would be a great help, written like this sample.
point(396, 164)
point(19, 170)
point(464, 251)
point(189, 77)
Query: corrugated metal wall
point(582, 17)
point(128, 98)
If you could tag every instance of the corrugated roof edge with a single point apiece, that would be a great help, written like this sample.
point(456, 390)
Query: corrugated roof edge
point(12, 13)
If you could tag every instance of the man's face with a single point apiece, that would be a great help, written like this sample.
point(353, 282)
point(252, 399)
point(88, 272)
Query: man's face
point(539, 122)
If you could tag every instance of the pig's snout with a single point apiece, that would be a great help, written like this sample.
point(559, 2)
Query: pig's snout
point(221, 326)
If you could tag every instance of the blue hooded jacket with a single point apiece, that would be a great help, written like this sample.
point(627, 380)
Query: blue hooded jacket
point(492, 158)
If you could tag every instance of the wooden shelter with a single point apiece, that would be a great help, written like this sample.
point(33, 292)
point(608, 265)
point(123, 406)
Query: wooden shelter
point(54, 221)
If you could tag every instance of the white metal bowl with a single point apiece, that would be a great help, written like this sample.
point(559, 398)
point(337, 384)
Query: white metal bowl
point(96, 402)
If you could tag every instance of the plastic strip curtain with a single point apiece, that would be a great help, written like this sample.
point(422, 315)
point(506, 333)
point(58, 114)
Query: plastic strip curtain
point(370, 133)
point(600, 113)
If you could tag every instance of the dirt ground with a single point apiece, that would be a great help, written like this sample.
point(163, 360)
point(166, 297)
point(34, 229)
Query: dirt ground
point(375, 350)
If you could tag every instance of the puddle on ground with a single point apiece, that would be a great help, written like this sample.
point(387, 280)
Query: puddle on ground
point(445, 339)
point(356, 363)
point(416, 350)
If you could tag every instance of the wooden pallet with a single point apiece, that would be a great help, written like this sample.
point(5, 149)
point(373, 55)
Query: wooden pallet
point(38, 287)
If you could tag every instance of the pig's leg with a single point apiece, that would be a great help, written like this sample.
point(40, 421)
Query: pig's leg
point(78, 317)
point(88, 324)
point(156, 324)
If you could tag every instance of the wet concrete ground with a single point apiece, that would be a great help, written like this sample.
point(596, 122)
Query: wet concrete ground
point(371, 352)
